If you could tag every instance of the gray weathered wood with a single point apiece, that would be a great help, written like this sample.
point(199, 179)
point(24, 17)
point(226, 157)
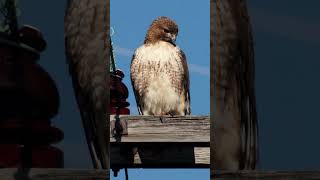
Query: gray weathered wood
point(202, 155)
point(192, 129)
point(53, 174)
point(90, 174)
point(265, 175)
point(169, 142)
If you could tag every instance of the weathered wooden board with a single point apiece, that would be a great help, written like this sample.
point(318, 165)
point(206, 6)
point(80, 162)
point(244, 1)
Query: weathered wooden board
point(53, 174)
point(202, 156)
point(91, 174)
point(264, 175)
point(192, 129)
point(161, 142)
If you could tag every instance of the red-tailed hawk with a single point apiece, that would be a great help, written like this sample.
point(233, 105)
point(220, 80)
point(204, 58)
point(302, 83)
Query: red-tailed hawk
point(159, 72)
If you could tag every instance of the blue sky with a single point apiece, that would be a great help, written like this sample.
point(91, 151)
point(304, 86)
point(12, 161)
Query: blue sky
point(130, 21)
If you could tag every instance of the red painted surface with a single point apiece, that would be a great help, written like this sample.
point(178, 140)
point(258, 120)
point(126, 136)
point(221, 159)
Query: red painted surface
point(40, 91)
point(6, 68)
point(19, 133)
point(118, 89)
point(118, 94)
point(32, 37)
point(46, 157)
point(119, 103)
point(41, 156)
point(25, 86)
point(10, 155)
point(29, 99)
point(123, 111)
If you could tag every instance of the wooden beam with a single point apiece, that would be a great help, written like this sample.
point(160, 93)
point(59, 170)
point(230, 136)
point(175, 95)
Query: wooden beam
point(87, 174)
point(264, 175)
point(49, 174)
point(166, 142)
point(192, 129)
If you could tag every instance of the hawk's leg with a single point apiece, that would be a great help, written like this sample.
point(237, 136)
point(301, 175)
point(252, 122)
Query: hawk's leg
point(161, 117)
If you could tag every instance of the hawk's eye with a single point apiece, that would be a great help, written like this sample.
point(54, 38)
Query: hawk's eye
point(166, 30)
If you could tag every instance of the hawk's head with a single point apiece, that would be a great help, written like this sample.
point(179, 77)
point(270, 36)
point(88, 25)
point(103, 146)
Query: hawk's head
point(162, 29)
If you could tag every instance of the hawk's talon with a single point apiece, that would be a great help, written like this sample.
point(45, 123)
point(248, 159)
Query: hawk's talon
point(161, 119)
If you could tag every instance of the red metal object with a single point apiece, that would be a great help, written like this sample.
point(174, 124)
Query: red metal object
point(6, 67)
point(24, 133)
point(40, 91)
point(46, 157)
point(32, 37)
point(119, 103)
point(118, 89)
point(29, 99)
point(25, 86)
point(41, 156)
point(118, 94)
point(10, 155)
point(123, 111)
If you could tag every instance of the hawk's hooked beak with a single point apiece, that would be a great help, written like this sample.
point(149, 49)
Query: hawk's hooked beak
point(173, 38)
point(170, 38)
